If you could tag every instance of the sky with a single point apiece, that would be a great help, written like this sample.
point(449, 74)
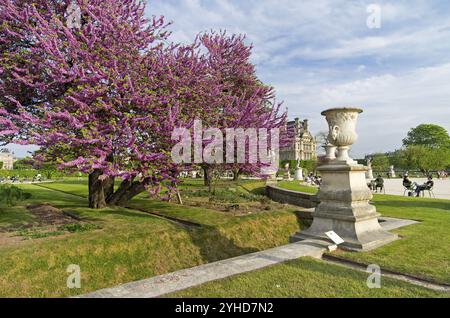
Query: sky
point(320, 54)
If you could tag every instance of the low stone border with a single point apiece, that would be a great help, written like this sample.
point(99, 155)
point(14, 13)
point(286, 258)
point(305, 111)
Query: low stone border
point(301, 199)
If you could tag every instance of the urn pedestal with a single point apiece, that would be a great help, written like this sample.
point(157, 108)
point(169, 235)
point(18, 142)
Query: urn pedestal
point(344, 196)
point(344, 208)
point(330, 152)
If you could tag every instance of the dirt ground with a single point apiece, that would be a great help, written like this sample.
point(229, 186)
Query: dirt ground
point(49, 215)
point(46, 216)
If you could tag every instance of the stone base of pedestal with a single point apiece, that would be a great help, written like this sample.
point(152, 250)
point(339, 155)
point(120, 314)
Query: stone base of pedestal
point(345, 209)
point(359, 240)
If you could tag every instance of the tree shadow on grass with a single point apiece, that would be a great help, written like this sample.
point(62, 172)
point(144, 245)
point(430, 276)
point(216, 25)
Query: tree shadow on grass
point(214, 246)
point(303, 219)
point(259, 191)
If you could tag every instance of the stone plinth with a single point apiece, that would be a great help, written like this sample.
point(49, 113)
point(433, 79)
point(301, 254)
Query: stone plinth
point(344, 208)
point(298, 176)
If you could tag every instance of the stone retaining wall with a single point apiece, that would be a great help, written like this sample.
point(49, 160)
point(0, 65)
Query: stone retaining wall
point(302, 199)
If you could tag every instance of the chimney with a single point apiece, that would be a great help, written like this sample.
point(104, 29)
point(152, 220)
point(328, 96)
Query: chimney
point(297, 125)
point(305, 125)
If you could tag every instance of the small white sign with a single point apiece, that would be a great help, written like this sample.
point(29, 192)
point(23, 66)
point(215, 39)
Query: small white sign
point(334, 237)
point(332, 248)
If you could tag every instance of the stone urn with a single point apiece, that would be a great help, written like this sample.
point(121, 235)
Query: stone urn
point(342, 129)
point(344, 197)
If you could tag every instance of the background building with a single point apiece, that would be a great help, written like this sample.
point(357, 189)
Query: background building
point(7, 158)
point(303, 146)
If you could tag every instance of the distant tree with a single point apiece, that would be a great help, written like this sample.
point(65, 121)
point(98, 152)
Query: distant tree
point(380, 162)
point(396, 159)
point(322, 140)
point(1, 164)
point(429, 135)
point(23, 164)
point(309, 165)
point(425, 159)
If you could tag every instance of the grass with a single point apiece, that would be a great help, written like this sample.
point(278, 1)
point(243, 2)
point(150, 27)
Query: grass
point(14, 216)
point(424, 249)
point(296, 186)
point(304, 277)
point(130, 245)
point(127, 244)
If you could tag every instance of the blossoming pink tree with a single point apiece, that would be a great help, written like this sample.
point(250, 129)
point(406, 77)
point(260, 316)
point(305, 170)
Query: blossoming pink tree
point(104, 97)
point(245, 102)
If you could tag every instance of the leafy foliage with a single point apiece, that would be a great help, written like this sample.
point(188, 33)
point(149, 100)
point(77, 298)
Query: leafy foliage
point(10, 194)
point(428, 135)
point(380, 162)
point(104, 98)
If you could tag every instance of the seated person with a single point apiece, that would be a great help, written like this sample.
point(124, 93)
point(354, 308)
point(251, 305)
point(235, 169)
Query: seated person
point(426, 186)
point(379, 183)
point(407, 183)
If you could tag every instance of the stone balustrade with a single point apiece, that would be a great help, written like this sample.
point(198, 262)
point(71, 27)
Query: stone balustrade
point(301, 199)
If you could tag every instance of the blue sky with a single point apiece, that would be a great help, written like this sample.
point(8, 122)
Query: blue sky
point(320, 54)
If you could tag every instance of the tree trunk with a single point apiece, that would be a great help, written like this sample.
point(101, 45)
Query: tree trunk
point(127, 191)
point(207, 176)
point(123, 188)
point(236, 174)
point(108, 187)
point(96, 190)
point(108, 184)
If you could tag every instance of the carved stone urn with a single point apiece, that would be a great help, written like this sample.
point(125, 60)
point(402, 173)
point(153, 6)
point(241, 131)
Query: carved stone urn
point(342, 125)
point(344, 196)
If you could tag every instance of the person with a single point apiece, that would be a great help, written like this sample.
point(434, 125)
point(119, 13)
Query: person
point(426, 186)
point(406, 182)
point(318, 180)
point(379, 183)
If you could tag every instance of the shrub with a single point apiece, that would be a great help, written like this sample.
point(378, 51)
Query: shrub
point(10, 194)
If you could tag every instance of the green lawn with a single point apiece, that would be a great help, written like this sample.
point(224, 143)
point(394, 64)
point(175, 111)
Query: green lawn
point(130, 245)
point(296, 186)
point(304, 277)
point(424, 249)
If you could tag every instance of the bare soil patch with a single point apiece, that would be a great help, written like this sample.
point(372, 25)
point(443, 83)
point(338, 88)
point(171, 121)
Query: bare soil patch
point(237, 209)
point(9, 239)
point(48, 215)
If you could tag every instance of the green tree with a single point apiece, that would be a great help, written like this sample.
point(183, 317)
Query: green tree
point(429, 135)
point(380, 162)
point(1, 164)
point(426, 159)
point(23, 164)
point(396, 159)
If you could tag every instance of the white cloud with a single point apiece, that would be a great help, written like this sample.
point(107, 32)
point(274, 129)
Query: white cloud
point(320, 53)
point(392, 104)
